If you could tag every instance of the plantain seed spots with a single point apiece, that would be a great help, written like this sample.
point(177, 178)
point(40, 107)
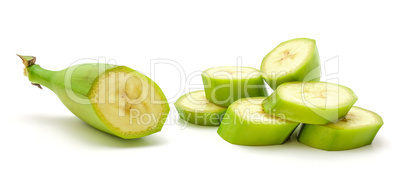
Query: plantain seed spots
point(287, 55)
point(322, 94)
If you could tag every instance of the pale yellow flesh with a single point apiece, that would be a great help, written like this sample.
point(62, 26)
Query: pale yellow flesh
point(356, 118)
point(196, 101)
point(233, 72)
point(316, 94)
point(288, 57)
point(250, 109)
point(128, 102)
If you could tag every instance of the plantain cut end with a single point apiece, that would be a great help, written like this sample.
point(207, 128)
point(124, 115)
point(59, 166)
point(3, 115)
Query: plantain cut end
point(28, 61)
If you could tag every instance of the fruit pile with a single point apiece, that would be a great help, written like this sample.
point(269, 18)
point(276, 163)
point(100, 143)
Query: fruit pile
point(235, 98)
point(125, 103)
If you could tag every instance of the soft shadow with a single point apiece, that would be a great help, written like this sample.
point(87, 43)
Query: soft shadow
point(81, 131)
point(293, 148)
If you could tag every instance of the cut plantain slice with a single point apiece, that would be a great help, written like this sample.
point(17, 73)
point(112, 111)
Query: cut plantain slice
point(224, 85)
point(246, 123)
point(195, 108)
point(357, 129)
point(292, 60)
point(310, 102)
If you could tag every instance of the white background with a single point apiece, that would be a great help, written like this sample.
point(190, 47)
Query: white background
point(41, 139)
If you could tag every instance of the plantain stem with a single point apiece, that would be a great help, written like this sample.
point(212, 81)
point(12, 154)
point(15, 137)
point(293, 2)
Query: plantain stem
point(29, 61)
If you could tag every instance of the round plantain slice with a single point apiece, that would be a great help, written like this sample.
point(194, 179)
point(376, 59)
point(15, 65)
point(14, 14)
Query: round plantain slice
point(292, 60)
point(357, 129)
point(310, 102)
point(246, 123)
point(195, 108)
point(224, 85)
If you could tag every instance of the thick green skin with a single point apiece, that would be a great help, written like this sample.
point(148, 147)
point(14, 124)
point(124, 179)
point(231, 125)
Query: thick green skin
point(82, 79)
point(301, 113)
point(335, 139)
point(199, 117)
point(309, 71)
point(224, 92)
point(236, 130)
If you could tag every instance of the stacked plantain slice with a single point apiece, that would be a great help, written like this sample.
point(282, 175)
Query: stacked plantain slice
point(235, 98)
point(223, 86)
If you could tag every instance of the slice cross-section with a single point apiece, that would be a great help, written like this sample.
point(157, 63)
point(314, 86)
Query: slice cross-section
point(246, 123)
point(292, 60)
point(224, 85)
point(310, 102)
point(128, 103)
point(357, 129)
point(195, 108)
